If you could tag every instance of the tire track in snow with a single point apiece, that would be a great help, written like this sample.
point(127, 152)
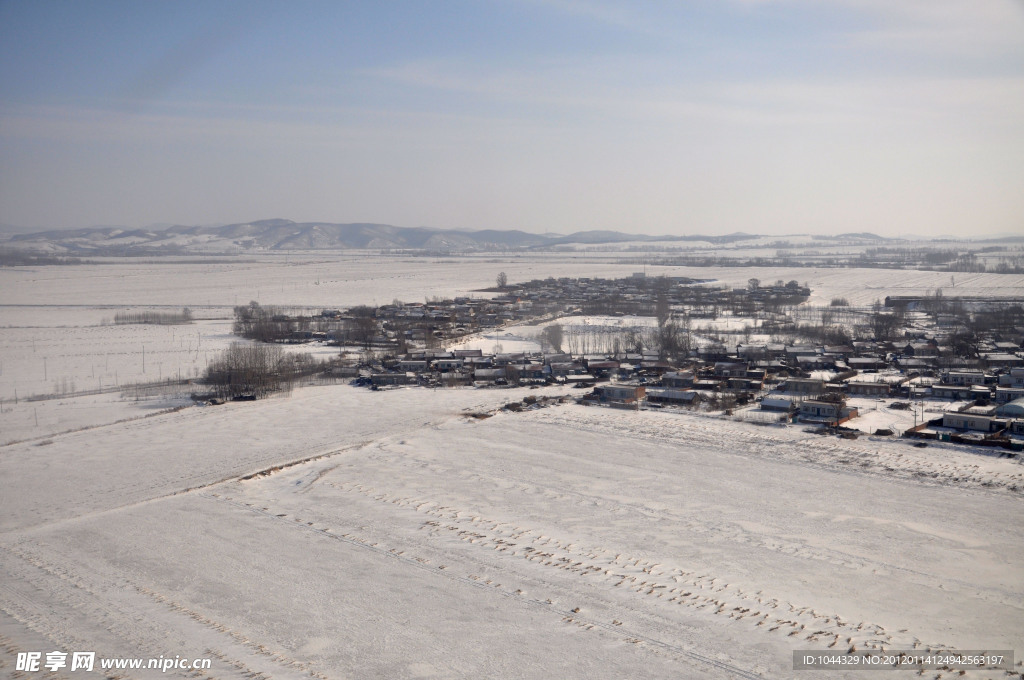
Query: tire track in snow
point(419, 563)
point(656, 580)
point(727, 531)
point(671, 584)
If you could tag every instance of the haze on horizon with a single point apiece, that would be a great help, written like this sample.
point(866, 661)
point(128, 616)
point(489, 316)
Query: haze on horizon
point(709, 117)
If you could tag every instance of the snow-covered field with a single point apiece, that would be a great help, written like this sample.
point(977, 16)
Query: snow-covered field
point(574, 541)
point(315, 280)
point(40, 361)
point(393, 536)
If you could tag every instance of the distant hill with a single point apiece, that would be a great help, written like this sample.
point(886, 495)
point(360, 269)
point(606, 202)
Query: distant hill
point(282, 234)
point(853, 236)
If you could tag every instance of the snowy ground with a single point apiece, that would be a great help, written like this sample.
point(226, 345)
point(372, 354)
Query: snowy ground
point(582, 333)
point(510, 339)
point(417, 542)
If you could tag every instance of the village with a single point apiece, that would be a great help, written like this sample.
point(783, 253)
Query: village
point(926, 367)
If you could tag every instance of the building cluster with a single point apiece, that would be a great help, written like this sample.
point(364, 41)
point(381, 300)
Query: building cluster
point(799, 383)
point(436, 322)
point(967, 351)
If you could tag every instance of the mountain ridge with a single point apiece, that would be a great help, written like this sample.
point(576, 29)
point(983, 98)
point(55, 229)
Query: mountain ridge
point(282, 234)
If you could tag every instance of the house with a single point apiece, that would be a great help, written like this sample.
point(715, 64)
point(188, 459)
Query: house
point(758, 375)
point(684, 397)
point(558, 358)
point(565, 368)
point(825, 411)
point(808, 362)
point(951, 391)
point(602, 368)
point(412, 365)
point(914, 364)
point(752, 352)
point(998, 359)
point(980, 392)
point(532, 372)
point(805, 386)
point(489, 375)
point(452, 364)
point(795, 351)
point(455, 378)
point(1005, 394)
point(866, 363)
point(964, 378)
point(383, 379)
point(920, 349)
point(709, 385)
point(656, 367)
point(744, 384)
point(820, 409)
point(724, 369)
point(677, 379)
point(869, 389)
point(839, 351)
point(972, 421)
point(620, 394)
point(1015, 378)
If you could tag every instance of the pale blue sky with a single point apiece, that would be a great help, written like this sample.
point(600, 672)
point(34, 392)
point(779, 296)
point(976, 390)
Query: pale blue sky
point(708, 116)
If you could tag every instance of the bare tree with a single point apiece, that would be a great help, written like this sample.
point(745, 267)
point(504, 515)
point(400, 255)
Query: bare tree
point(662, 310)
point(502, 280)
point(253, 370)
point(633, 339)
point(364, 329)
point(553, 336)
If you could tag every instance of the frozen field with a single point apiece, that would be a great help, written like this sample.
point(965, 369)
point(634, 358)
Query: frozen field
point(576, 542)
point(333, 280)
point(346, 279)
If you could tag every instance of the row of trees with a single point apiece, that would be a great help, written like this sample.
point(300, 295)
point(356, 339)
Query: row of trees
point(151, 317)
point(671, 339)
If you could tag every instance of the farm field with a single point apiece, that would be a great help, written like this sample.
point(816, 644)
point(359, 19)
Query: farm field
point(341, 532)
